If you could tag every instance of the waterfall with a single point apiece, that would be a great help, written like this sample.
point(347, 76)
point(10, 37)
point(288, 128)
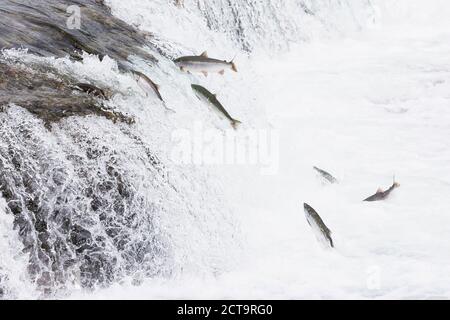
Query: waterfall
point(88, 199)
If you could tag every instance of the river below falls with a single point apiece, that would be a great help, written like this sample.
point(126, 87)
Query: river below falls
point(365, 108)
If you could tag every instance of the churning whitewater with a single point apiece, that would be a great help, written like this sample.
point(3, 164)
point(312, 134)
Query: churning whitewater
point(124, 172)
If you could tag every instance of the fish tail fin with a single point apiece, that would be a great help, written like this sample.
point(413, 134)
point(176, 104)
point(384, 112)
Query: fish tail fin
point(395, 183)
point(166, 108)
point(235, 124)
point(331, 242)
point(233, 66)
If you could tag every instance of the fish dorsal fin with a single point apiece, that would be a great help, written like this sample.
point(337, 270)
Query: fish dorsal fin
point(204, 54)
point(380, 190)
point(395, 183)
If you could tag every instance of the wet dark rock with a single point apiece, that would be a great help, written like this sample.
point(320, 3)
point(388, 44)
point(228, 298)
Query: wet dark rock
point(49, 97)
point(98, 269)
point(75, 201)
point(41, 27)
point(3, 284)
point(80, 236)
point(77, 213)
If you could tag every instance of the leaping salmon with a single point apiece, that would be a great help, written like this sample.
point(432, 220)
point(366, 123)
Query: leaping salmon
point(321, 231)
point(382, 195)
point(204, 95)
point(146, 84)
point(325, 175)
point(203, 64)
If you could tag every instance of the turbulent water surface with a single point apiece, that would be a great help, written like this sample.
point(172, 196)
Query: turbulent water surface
point(93, 203)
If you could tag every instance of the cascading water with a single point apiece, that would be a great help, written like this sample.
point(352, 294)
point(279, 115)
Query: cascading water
point(249, 25)
point(88, 201)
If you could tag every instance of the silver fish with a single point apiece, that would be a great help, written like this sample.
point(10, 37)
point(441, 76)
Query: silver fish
point(206, 96)
point(204, 64)
point(321, 231)
point(382, 195)
point(326, 175)
point(147, 84)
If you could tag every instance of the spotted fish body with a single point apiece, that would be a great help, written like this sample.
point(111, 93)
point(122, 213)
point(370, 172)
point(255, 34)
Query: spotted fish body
point(321, 231)
point(147, 84)
point(328, 177)
point(204, 95)
point(204, 64)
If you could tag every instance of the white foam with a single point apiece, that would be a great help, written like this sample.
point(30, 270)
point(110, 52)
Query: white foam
point(13, 264)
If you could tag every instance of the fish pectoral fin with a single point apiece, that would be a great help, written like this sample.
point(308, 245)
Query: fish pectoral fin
point(222, 72)
point(183, 69)
point(205, 73)
point(204, 54)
